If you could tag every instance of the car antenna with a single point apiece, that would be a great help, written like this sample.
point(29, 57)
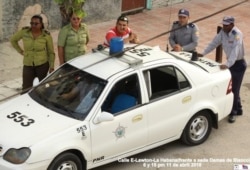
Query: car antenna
point(169, 20)
point(157, 36)
point(198, 20)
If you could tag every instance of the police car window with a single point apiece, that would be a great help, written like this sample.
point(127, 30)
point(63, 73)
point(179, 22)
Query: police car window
point(148, 82)
point(69, 91)
point(163, 81)
point(182, 80)
point(124, 95)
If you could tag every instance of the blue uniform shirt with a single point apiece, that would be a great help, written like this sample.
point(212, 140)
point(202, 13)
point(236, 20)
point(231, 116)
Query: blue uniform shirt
point(187, 36)
point(232, 44)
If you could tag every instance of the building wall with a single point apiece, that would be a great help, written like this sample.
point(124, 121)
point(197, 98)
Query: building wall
point(160, 3)
point(102, 10)
point(14, 14)
point(1, 18)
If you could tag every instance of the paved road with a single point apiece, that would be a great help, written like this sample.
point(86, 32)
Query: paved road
point(229, 143)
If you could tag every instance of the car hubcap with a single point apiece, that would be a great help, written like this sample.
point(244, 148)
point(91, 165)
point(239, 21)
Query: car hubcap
point(69, 165)
point(198, 128)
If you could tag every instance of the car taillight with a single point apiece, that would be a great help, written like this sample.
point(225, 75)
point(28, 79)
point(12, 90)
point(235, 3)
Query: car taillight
point(229, 88)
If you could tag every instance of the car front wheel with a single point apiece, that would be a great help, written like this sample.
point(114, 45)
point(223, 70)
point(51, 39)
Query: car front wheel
point(197, 129)
point(66, 161)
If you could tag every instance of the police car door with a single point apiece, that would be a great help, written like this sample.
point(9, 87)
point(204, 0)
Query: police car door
point(127, 131)
point(169, 99)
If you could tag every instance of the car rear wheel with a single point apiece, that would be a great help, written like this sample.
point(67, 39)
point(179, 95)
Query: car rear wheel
point(66, 161)
point(198, 129)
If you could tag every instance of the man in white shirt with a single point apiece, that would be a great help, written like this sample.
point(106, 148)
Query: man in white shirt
point(231, 39)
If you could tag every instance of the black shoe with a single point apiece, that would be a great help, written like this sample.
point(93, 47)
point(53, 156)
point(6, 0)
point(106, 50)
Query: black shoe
point(231, 119)
point(240, 112)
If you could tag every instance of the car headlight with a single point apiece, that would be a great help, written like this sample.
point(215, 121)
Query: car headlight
point(17, 156)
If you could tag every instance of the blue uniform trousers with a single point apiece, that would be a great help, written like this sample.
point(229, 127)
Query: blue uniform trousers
point(237, 72)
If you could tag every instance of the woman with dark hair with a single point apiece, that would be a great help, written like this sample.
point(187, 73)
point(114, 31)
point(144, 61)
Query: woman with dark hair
point(38, 51)
point(73, 38)
point(121, 30)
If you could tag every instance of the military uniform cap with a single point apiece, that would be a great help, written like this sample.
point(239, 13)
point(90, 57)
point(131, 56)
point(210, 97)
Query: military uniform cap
point(183, 12)
point(227, 20)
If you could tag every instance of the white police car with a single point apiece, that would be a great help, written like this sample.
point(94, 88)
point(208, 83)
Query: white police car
point(96, 109)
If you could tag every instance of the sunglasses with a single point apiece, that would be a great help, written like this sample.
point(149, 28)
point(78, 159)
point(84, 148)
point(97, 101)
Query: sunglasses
point(123, 19)
point(34, 23)
point(76, 18)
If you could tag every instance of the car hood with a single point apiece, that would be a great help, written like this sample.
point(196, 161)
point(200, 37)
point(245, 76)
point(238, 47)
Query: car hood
point(24, 122)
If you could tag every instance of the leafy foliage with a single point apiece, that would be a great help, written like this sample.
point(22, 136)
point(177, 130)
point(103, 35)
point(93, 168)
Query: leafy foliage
point(68, 6)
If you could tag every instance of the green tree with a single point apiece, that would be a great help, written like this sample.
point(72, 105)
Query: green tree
point(68, 6)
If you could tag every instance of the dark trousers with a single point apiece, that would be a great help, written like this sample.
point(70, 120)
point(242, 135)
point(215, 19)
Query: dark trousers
point(237, 72)
point(30, 72)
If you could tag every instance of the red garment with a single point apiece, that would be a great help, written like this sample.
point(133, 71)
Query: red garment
point(114, 33)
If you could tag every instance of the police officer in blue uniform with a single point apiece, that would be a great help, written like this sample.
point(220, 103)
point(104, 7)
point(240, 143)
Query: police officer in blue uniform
point(231, 39)
point(186, 35)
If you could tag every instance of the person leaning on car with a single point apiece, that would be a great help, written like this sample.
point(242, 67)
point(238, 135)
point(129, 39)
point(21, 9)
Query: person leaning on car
point(38, 51)
point(186, 35)
point(121, 30)
point(231, 39)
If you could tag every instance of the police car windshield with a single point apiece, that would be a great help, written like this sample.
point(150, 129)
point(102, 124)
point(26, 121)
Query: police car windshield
point(69, 91)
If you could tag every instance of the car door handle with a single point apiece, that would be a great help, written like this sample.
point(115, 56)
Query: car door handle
point(137, 118)
point(186, 99)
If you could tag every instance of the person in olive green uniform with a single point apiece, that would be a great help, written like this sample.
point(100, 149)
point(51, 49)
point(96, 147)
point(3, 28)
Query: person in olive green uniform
point(72, 39)
point(38, 51)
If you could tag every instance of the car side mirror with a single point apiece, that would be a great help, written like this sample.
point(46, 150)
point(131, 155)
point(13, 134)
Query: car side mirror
point(103, 117)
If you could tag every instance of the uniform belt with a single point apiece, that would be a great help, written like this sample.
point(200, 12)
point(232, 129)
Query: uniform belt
point(240, 61)
point(33, 50)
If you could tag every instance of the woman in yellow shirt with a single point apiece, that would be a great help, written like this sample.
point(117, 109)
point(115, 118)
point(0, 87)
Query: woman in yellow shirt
point(72, 39)
point(38, 51)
